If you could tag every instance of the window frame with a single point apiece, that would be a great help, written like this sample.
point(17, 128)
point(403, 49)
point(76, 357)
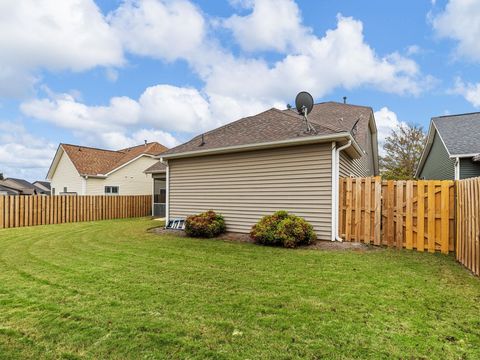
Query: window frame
point(110, 190)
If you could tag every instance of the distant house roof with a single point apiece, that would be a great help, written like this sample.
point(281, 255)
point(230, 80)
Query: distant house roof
point(21, 186)
point(45, 184)
point(274, 125)
point(100, 162)
point(5, 190)
point(459, 133)
point(156, 168)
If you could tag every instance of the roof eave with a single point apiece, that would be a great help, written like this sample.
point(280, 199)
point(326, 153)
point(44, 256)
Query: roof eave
point(155, 172)
point(268, 145)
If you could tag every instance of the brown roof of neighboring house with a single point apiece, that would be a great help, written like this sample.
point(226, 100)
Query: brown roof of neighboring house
point(273, 125)
point(156, 168)
point(93, 161)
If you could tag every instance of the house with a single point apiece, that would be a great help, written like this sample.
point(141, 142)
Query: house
point(44, 186)
point(452, 150)
point(5, 190)
point(14, 186)
point(85, 170)
point(267, 162)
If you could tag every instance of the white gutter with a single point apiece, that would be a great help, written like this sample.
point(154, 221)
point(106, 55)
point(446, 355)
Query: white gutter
point(456, 156)
point(297, 141)
point(335, 179)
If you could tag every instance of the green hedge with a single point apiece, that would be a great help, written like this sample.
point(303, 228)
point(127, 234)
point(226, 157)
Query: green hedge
point(283, 229)
point(206, 225)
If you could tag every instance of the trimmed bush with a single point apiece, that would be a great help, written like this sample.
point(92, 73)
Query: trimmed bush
point(283, 229)
point(207, 225)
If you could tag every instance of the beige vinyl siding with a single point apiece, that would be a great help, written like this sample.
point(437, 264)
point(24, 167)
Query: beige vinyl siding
point(66, 175)
point(246, 186)
point(130, 179)
point(358, 167)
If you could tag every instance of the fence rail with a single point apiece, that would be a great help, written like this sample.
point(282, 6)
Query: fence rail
point(405, 214)
point(468, 224)
point(18, 210)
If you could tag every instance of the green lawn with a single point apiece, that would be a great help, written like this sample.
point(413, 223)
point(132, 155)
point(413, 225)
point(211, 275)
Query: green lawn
point(111, 290)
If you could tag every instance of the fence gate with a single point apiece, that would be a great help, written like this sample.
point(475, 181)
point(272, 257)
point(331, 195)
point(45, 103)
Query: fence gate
point(468, 224)
point(405, 214)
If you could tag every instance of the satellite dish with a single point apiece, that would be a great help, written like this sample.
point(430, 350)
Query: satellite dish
point(304, 103)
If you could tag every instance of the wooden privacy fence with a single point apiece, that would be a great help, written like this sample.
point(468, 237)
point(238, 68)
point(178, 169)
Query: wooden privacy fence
point(18, 210)
point(406, 214)
point(468, 224)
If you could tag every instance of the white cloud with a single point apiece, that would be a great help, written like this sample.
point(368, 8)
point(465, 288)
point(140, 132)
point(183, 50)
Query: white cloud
point(163, 107)
point(23, 154)
point(272, 25)
point(341, 58)
point(386, 121)
point(471, 92)
point(414, 50)
point(460, 21)
point(175, 108)
point(53, 35)
point(161, 29)
point(118, 140)
point(65, 111)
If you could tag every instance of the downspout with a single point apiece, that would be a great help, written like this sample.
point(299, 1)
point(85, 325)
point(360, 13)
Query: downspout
point(457, 168)
point(335, 204)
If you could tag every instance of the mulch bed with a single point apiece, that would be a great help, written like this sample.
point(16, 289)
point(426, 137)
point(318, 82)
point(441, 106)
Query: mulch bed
point(318, 245)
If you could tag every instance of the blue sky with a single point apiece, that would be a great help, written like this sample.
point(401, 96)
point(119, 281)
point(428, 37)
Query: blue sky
point(113, 73)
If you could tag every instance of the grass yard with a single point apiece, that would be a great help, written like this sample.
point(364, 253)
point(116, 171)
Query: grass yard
point(111, 290)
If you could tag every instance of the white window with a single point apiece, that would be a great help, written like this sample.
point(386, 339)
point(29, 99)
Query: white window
point(111, 190)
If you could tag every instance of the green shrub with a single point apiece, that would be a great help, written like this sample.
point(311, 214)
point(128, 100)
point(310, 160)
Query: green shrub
point(283, 229)
point(206, 225)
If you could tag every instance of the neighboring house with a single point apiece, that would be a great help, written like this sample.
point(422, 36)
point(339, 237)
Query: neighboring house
point(267, 162)
point(19, 187)
point(90, 171)
point(452, 150)
point(44, 186)
point(5, 190)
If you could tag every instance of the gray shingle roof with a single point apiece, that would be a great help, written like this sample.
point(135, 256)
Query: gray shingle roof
point(327, 118)
point(156, 168)
point(460, 133)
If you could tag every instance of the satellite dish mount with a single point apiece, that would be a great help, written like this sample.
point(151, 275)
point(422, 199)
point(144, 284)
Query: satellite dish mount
point(304, 105)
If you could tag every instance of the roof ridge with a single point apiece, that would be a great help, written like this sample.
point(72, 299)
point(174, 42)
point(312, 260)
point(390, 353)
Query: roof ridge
point(148, 144)
point(346, 104)
point(90, 147)
point(453, 115)
point(316, 123)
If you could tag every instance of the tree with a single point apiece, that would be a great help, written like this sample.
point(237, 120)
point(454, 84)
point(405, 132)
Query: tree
point(403, 149)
